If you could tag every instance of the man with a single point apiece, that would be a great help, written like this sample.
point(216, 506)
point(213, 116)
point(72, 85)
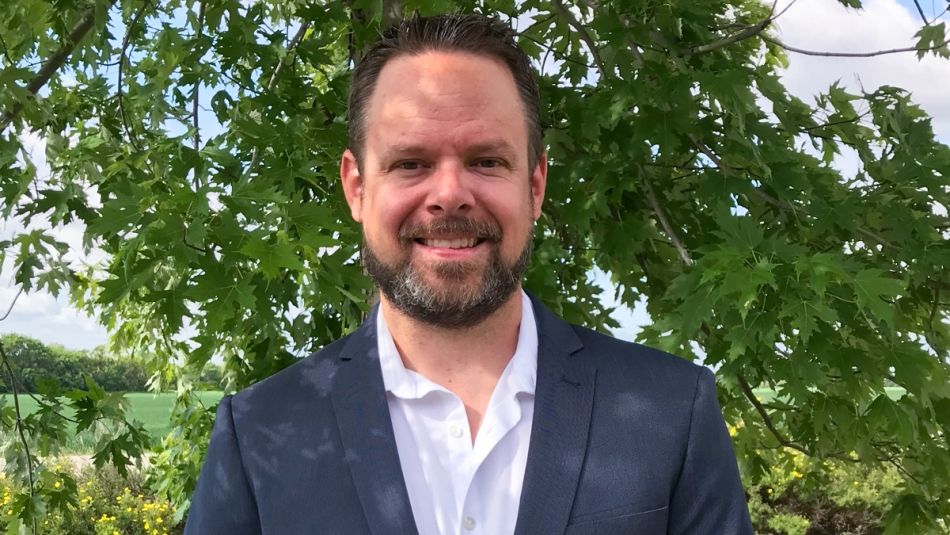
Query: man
point(463, 405)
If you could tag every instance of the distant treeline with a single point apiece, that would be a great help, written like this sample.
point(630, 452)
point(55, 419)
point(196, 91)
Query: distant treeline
point(32, 360)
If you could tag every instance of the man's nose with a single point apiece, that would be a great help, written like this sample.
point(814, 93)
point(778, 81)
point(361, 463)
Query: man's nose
point(450, 191)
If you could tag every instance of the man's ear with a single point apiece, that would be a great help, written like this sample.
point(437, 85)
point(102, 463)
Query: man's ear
point(352, 184)
point(539, 181)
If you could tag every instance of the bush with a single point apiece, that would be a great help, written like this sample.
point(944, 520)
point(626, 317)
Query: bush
point(108, 504)
point(800, 496)
point(34, 360)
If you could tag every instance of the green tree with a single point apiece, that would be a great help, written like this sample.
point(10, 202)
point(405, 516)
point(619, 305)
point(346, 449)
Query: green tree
point(198, 143)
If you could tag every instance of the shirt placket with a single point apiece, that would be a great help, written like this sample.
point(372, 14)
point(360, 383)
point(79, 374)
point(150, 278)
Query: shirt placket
point(458, 443)
point(501, 417)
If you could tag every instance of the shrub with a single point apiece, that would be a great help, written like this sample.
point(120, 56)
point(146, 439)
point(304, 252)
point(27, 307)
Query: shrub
point(33, 360)
point(801, 496)
point(108, 504)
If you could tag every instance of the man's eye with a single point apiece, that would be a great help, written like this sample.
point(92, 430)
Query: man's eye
point(488, 163)
point(409, 165)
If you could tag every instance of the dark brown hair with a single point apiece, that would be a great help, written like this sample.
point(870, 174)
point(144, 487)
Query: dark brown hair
point(455, 32)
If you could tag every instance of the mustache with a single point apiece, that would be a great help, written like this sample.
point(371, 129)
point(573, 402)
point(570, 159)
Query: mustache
point(487, 230)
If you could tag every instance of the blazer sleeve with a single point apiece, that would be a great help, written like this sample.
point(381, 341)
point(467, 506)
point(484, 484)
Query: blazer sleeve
point(708, 496)
point(223, 502)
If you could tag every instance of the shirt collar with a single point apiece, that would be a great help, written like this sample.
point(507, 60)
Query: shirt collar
point(519, 376)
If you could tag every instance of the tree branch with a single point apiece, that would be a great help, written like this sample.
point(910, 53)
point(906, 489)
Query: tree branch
point(749, 31)
point(582, 31)
point(194, 104)
point(921, 11)
point(764, 414)
point(53, 63)
point(932, 316)
point(664, 222)
point(772, 200)
point(126, 119)
point(290, 48)
point(557, 54)
point(19, 423)
point(6, 52)
point(20, 291)
point(255, 154)
point(846, 120)
point(184, 239)
point(781, 44)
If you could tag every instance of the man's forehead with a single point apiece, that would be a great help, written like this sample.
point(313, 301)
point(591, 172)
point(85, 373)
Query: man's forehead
point(450, 97)
point(495, 145)
point(443, 75)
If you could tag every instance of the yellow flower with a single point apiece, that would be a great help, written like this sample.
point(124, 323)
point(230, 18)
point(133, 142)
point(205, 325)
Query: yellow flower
point(796, 474)
point(57, 484)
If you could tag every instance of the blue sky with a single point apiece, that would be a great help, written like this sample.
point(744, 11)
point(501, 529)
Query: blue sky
point(812, 24)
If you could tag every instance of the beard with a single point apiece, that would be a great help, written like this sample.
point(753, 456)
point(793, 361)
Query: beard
point(461, 302)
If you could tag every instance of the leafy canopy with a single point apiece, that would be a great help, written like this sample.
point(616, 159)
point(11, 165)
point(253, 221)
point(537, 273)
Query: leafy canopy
point(197, 145)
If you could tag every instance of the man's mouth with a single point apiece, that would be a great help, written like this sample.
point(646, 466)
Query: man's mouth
point(456, 243)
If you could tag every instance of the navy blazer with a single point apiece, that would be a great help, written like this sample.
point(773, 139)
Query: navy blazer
point(625, 440)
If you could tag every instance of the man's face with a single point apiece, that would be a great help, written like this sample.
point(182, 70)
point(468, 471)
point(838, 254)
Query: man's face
point(445, 194)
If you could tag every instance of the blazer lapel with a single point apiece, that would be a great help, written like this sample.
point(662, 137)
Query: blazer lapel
point(564, 397)
point(369, 445)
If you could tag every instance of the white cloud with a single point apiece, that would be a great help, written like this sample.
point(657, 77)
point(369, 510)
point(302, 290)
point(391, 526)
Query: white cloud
point(883, 24)
point(38, 314)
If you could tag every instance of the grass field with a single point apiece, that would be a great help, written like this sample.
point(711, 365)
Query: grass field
point(152, 410)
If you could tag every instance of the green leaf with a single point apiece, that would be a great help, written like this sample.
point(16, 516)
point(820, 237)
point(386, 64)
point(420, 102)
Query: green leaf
point(272, 255)
point(932, 37)
point(874, 290)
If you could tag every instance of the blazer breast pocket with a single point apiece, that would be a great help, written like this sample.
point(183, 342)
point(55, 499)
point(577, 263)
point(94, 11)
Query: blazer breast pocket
point(620, 522)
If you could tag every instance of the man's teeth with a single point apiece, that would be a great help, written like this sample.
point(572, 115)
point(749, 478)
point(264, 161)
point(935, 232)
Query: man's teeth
point(452, 244)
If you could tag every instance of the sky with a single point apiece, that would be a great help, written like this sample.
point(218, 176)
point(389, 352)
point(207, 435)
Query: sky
point(810, 24)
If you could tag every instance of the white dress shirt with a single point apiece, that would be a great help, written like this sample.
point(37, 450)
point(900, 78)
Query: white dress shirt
point(456, 487)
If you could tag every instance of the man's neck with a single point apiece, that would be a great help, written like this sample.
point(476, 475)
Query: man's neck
point(467, 361)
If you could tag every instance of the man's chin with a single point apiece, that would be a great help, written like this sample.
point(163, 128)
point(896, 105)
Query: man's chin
point(452, 287)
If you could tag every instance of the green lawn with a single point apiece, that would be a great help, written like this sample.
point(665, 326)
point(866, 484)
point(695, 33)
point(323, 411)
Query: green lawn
point(768, 395)
point(152, 410)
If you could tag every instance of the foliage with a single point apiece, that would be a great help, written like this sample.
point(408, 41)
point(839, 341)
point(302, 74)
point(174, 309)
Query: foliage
point(800, 495)
point(152, 410)
point(108, 503)
point(197, 144)
point(34, 361)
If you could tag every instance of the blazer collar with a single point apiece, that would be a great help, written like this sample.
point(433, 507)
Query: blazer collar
point(564, 396)
point(563, 401)
point(366, 431)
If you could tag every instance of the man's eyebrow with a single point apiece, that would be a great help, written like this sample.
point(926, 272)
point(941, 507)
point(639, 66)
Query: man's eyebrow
point(396, 151)
point(490, 146)
point(499, 145)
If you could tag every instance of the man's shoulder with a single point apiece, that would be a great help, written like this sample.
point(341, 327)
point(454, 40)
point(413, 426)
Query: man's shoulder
point(311, 377)
point(623, 361)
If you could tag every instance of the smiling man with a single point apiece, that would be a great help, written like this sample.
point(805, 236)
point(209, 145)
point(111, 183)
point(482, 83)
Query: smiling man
point(463, 405)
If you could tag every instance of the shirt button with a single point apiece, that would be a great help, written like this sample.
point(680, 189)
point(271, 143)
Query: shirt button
point(468, 523)
point(455, 431)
